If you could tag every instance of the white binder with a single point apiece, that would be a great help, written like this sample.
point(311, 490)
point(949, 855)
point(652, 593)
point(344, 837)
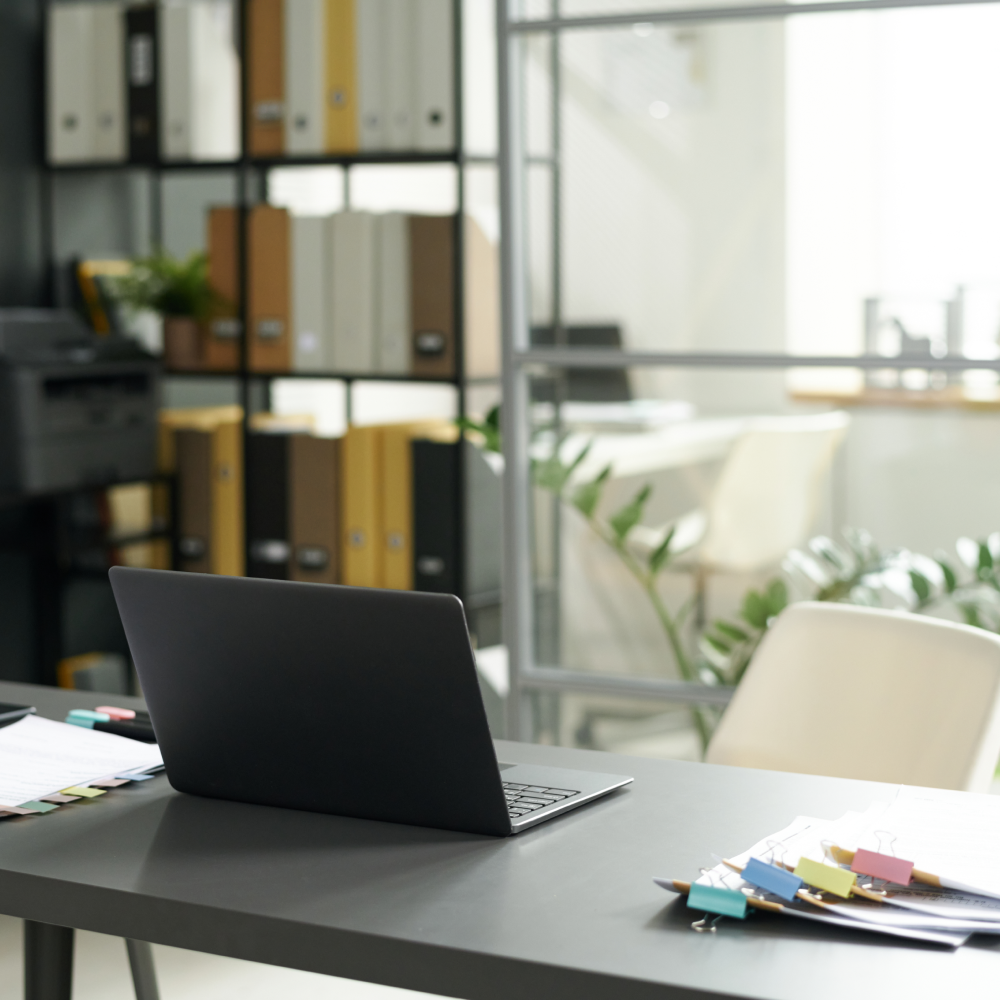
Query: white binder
point(109, 83)
point(71, 104)
point(352, 304)
point(398, 68)
point(215, 84)
point(435, 109)
point(175, 81)
point(305, 76)
point(393, 341)
point(370, 54)
point(309, 271)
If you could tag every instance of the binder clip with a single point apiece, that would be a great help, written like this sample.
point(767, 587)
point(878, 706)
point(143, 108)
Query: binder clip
point(828, 878)
point(717, 899)
point(879, 864)
point(769, 877)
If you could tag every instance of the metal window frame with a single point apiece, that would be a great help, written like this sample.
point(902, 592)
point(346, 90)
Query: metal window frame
point(519, 358)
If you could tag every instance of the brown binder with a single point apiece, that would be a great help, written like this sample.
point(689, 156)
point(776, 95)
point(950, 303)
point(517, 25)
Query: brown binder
point(204, 446)
point(268, 294)
point(266, 114)
point(222, 336)
point(432, 294)
point(314, 509)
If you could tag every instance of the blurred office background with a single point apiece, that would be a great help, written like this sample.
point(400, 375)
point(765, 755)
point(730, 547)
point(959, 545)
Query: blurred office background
point(819, 185)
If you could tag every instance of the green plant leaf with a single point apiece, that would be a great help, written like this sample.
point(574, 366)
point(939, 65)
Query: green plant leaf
point(661, 555)
point(985, 567)
point(777, 597)
point(950, 580)
point(587, 496)
point(717, 643)
point(921, 585)
point(629, 516)
point(754, 610)
point(731, 631)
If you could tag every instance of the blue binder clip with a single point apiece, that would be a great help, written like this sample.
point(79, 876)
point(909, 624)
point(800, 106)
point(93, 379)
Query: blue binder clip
point(771, 878)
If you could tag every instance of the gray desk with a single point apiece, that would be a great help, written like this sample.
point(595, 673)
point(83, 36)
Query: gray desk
point(566, 910)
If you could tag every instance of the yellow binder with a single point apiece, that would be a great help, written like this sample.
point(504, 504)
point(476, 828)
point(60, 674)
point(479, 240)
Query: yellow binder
point(341, 104)
point(361, 503)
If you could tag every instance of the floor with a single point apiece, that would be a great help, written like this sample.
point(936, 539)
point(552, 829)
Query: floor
point(101, 972)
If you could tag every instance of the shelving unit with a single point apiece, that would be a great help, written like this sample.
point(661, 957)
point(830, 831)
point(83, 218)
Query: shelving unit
point(251, 180)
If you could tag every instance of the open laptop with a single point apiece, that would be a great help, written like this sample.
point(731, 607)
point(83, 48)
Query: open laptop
point(332, 699)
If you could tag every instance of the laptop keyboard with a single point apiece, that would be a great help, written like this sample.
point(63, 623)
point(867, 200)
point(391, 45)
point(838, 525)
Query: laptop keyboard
point(524, 799)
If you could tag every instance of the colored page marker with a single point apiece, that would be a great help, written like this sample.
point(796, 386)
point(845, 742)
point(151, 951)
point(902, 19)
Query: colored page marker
point(882, 866)
point(87, 793)
point(712, 899)
point(83, 713)
point(836, 880)
point(135, 777)
point(83, 723)
point(122, 714)
point(42, 807)
point(772, 879)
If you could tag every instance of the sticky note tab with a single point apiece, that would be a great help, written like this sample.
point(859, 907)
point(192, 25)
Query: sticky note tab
point(771, 878)
point(19, 810)
point(42, 807)
point(882, 866)
point(116, 713)
point(109, 782)
point(135, 777)
point(712, 899)
point(835, 880)
point(74, 720)
point(60, 799)
point(87, 793)
point(83, 713)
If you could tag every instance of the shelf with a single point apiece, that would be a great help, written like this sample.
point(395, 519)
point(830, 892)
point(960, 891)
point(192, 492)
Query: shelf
point(332, 376)
point(386, 158)
point(951, 397)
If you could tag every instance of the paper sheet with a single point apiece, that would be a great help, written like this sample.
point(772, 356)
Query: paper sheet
point(39, 757)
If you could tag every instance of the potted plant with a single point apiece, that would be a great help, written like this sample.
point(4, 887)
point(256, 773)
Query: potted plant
point(180, 292)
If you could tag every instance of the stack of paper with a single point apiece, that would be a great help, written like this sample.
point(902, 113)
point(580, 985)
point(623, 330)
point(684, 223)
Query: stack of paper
point(39, 758)
point(950, 837)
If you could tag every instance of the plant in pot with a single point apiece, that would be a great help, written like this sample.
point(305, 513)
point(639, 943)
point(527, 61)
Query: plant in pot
point(180, 292)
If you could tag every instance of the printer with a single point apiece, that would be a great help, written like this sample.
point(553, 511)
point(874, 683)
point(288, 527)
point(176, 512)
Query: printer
point(76, 409)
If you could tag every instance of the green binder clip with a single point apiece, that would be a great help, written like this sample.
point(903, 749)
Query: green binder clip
point(715, 899)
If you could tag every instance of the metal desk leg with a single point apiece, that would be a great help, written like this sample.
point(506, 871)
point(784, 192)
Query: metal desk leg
point(140, 957)
point(48, 961)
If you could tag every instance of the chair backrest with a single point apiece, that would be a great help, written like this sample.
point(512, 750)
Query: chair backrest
point(865, 693)
point(769, 491)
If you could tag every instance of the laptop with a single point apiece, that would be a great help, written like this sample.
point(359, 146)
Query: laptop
point(331, 699)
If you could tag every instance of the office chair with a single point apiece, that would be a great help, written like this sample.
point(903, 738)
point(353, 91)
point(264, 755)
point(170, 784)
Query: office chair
point(865, 693)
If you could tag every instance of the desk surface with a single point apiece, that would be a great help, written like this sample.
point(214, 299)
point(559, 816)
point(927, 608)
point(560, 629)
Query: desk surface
point(565, 910)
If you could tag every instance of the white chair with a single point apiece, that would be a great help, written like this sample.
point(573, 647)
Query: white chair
point(864, 693)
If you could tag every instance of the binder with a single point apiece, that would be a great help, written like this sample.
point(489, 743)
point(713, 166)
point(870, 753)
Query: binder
point(397, 528)
point(482, 303)
point(109, 83)
point(267, 505)
point(268, 293)
point(352, 291)
point(194, 500)
point(70, 83)
point(370, 57)
point(432, 295)
point(362, 494)
point(435, 517)
point(435, 85)
point(393, 253)
point(143, 89)
point(314, 509)
point(204, 447)
point(399, 74)
point(309, 268)
point(340, 105)
point(305, 69)
point(222, 338)
point(177, 76)
point(266, 43)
